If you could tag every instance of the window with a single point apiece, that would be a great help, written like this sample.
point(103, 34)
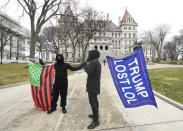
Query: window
point(101, 47)
point(112, 34)
point(125, 28)
point(116, 35)
point(129, 28)
point(125, 35)
point(129, 35)
point(96, 47)
point(133, 35)
point(129, 41)
point(106, 47)
point(133, 28)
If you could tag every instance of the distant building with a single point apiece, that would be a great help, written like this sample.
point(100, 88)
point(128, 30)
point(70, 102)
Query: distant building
point(117, 41)
point(12, 40)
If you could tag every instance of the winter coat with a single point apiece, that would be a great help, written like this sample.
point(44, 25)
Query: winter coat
point(93, 69)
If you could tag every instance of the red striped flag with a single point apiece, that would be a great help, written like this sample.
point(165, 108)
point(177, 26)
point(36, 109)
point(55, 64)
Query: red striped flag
point(41, 78)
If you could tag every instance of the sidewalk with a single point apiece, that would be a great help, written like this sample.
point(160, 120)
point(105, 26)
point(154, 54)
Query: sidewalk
point(18, 113)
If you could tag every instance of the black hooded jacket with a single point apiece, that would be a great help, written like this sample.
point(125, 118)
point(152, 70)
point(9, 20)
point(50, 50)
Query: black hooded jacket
point(93, 69)
point(61, 70)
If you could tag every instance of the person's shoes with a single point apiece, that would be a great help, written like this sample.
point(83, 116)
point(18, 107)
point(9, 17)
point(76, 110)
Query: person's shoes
point(51, 110)
point(93, 125)
point(64, 110)
point(90, 115)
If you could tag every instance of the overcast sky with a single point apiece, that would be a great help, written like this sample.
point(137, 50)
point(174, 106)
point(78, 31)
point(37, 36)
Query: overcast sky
point(147, 13)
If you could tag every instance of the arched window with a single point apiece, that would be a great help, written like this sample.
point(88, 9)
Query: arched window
point(96, 48)
point(101, 47)
point(106, 47)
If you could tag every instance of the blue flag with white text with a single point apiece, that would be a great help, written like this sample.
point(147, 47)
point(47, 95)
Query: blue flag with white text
point(131, 79)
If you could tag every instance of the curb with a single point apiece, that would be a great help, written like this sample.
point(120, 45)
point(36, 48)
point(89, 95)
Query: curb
point(168, 100)
point(28, 82)
point(12, 85)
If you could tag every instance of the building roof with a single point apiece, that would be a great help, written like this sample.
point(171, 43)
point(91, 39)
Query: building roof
point(68, 12)
point(111, 26)
point(125, 16)
point(10, 25)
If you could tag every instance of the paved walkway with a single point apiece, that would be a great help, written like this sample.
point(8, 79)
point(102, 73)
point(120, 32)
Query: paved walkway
point(17, 111)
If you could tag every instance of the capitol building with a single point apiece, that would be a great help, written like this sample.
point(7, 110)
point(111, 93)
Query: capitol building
point(114, 40)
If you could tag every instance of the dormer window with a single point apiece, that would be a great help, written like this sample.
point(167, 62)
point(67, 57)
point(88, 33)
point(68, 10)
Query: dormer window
point(129, 20)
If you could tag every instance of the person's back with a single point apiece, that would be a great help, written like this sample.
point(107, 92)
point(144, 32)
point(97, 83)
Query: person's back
point(94, 76)
point(93, 69)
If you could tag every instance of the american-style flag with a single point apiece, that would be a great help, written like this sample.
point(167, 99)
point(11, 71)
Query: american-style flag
point(41, 78)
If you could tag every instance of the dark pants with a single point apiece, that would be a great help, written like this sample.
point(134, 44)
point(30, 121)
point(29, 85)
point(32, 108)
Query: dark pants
point(94, 105)
point(62, 90)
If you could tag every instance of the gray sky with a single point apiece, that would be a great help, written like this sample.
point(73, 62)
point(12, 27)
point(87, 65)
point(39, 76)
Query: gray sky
point(147, 13)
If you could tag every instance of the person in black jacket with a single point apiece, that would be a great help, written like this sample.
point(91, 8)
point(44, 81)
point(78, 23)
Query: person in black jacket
point(93, 69)
point(61, 82)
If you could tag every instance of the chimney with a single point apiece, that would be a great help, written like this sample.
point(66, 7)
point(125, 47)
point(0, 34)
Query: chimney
point(119, 19)
point(107, 17)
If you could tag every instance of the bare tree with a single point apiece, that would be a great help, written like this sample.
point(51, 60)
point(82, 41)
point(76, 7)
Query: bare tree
point(151, 38)
point(170, 50)
point(70, 27)
point(41, 45)
point(51, 36)
point(175, 47)
point(161, 31)
point(39, 13)
point(156, 38)
point(94, 23)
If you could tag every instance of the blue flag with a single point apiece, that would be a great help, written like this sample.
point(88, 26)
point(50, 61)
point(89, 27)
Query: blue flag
point(131, 79)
